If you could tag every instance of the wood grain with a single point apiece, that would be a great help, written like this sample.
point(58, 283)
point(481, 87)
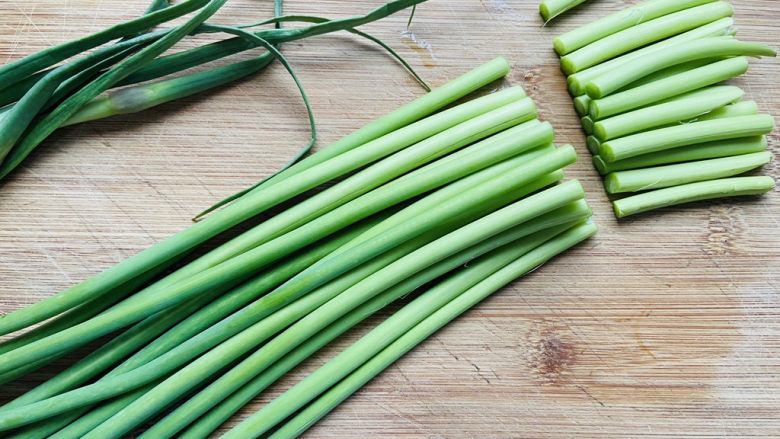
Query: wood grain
point(664, 325)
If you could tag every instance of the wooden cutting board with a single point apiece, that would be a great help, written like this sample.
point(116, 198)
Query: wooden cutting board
point(664, 325)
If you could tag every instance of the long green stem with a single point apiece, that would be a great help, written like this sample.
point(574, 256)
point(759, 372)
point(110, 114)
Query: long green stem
point(643, 34)
point(611, 81)
point(632, 16)
point(643, 95)
point(317, 173)
point(61, 426)
point(582, 102)
point(550, 9)
point(576, 82)
point(686, 134)
point(351, 298)
point(687, 106)
point(731, 110)
point(708, 150)
point(435, 321)
point(117, 385)
point(73, 317)
point(71, 426)
point(394, 190)
point(683, 173)
point(704, 190)
point(83, 311)
point(14, 92)
point(426, 104)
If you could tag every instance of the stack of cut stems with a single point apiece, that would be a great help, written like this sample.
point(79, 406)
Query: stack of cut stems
point(645, 81)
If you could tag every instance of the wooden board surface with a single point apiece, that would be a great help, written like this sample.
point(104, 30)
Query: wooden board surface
point(664, 325)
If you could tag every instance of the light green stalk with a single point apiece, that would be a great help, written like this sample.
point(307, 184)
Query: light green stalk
point(687, 106)
point(704, 190)
point(576, 82)
point(709, 150)
point(422, 106)
point(72, 317)
point(686, 134)
point(550, 9)
point(82, 312)
point(730, 110)
point(656, 91)
point(610, 81)
point(317, 173)
point(642, 34)
point(683, 173)
point(629, 17)
point(325, 403)
point(582, 102)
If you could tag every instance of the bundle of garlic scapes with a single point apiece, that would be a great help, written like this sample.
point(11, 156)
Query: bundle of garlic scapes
point(425, 192)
